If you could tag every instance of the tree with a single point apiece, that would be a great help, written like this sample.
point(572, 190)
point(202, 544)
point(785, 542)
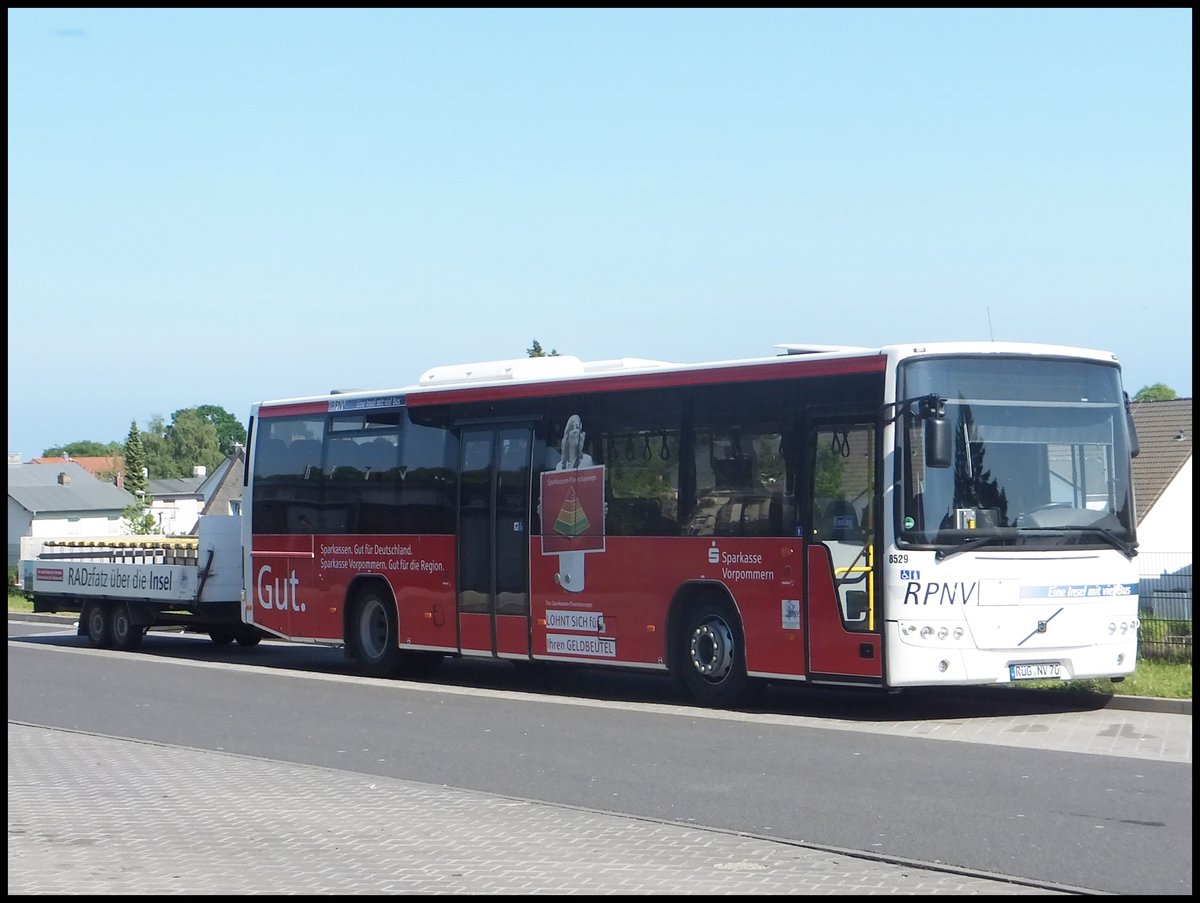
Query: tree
point(1156, 392)
point(230, 431)
point(137, 514)
point(536, 350)
point(192, 440)
point(135, 461)
point(158, 453)
point(202, 435)
point(84, 448)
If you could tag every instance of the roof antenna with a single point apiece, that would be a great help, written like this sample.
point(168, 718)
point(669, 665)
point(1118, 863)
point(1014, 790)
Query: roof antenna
point(991, 334)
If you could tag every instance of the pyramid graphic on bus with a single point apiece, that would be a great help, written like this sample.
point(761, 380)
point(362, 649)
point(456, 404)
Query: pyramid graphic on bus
point(572, 519)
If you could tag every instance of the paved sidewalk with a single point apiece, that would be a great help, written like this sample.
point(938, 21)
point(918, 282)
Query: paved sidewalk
point(96, 815)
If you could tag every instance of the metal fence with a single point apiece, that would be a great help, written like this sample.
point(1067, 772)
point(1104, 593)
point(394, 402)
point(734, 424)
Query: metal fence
point(1165, 607)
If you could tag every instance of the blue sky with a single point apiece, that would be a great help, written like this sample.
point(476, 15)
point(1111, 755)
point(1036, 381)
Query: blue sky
point(221, 206)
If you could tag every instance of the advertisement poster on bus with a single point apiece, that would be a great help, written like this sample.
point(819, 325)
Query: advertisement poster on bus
point(573, 510)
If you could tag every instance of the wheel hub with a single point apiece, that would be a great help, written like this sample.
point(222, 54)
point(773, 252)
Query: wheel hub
point(712, 649)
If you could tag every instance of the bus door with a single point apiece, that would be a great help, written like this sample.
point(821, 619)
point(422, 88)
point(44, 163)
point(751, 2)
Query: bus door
point(493, 540)
point(843, 620)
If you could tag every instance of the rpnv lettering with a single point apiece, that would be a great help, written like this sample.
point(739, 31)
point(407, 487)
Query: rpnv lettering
point(939, 593)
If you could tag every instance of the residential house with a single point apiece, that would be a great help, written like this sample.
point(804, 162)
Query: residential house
point(178, 503)
point(175, 502)
point(222, 491)
point(102, 467)
point(1162, 487)
point(61, 499)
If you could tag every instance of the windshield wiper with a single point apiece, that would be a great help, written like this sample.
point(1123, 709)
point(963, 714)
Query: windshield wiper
point(1128, 549)
point(977, 542)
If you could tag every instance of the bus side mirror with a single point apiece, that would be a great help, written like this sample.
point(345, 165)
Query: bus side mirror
point(937, 442)
point(1133, 439)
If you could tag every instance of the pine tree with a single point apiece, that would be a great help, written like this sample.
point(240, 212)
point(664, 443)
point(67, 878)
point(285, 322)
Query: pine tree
point(137, 514)
point(135, 461)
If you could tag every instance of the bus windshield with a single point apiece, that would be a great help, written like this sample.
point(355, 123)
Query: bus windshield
point(1040, 455)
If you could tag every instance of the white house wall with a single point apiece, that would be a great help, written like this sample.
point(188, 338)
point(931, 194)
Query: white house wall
point(89, 526)
point(176, 517)
point(19, 524)
point(1167, 527)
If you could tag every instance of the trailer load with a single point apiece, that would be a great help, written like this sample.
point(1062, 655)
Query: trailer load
point(123, 586)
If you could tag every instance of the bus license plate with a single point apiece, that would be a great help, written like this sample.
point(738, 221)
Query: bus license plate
point(1035, 671)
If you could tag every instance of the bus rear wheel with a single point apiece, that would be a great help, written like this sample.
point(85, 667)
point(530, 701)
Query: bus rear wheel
point(374, 633)
point(709, 660)
point(97, 623)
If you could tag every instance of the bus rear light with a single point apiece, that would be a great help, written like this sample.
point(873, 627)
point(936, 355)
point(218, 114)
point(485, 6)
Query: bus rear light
point(926, 632)
point(943, 666)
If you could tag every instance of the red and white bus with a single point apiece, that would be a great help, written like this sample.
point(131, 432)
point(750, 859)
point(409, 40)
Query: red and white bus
point(943, 514)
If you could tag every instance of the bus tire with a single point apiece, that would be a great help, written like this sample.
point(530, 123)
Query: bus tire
point(709, 660)
point(126, 635)
point(222, 636)
point(97, 624)
point(374, 633)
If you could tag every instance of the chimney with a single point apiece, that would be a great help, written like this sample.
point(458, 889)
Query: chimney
point(14, 457)
point(199, 471)
point(64, 479)
point(120, 480)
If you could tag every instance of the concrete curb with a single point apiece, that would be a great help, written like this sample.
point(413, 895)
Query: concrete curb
point(1129, 703)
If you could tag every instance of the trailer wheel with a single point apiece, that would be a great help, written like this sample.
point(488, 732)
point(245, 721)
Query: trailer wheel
point(222, 636)
point(97, 624)
point(374, 633)
point(126, 635)
point(709, 659)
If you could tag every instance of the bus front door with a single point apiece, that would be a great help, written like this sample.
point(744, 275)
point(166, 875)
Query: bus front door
point(842, 622)
point(493, 540)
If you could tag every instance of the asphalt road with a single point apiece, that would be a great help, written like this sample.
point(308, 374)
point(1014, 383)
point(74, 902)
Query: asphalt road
point(1025, 793)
